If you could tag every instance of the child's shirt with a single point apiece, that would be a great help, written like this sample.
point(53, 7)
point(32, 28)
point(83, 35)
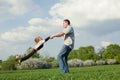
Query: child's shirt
point(40, 43)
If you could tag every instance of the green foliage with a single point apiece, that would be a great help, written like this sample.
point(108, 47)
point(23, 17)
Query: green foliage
point(49, 59)
point(52, 61)
point(101, 52)
point(0, 62)
point(36, 55)
point(54, 64)
point(9, 64)
point(73, 54)
point(92, 56)
point(88, 49)
point(111, 52)
point(84, 53)
point(118, 58)
point(107, 72)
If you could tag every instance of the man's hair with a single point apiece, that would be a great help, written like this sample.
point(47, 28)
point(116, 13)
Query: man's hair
point(37, 39)
point(68, 21)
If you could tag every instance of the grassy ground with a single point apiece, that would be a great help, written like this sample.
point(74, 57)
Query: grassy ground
point(107, 72)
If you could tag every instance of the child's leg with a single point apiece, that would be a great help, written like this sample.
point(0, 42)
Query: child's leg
point(27, 55)
point(30, 52)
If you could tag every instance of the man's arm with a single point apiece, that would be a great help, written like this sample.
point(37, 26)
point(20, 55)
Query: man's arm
point(57, 35)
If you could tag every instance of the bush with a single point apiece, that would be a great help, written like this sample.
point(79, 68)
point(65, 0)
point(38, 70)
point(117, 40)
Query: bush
point(91, 56)
point(0, 67)
point(29, 64)
point(111, 61)
point(100, 62)
point(46, 65)
point(54, 63)
point(89, 63)
point(34, 63)
point(118, 58)
point(9, 64)
point(75, 63)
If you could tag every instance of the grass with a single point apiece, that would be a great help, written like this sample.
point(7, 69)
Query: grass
point(106, 72)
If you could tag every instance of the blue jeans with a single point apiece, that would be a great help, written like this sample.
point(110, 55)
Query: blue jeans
point(62, 58)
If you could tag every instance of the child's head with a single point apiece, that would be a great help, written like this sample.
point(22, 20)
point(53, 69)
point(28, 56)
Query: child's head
point(37, 39)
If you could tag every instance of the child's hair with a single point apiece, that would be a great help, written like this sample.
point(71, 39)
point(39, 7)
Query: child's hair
point(37, 39)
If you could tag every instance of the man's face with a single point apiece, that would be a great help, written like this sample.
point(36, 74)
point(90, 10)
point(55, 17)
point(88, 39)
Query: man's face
point(65, 24)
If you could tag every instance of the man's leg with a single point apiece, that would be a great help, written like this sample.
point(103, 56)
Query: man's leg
point(66, 58)
point(61, 59)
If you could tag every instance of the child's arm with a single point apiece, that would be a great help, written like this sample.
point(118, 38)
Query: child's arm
point(39, 45)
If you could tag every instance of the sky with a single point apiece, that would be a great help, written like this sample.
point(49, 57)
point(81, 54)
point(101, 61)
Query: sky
point(96, 23)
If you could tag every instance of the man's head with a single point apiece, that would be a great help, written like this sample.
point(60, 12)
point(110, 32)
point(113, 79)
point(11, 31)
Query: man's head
point(66, 22)
point(37, 39)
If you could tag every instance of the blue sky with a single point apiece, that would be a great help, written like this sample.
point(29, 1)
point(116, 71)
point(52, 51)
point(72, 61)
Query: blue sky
point(96, 22)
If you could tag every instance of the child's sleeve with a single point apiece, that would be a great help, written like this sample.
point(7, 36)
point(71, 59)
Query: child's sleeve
point(46, 39)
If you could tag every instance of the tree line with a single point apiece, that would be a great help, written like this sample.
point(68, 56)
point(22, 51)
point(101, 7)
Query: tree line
point(83, 53)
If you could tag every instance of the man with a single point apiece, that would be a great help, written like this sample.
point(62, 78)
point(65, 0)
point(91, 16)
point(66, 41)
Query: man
point(68, 34)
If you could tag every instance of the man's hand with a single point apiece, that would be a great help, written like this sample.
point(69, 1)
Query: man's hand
point(52, 36)
point(57, 35)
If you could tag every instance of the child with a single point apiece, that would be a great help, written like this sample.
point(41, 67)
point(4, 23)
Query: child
point(39, 44)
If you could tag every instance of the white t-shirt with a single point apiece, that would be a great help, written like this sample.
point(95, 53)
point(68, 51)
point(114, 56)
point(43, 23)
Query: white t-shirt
point(39, 44)
point(69, 37)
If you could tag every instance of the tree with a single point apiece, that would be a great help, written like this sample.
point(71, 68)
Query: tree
point(112, 51)
point(73, 54)
point(0, 62)
point(84, 53)
point(101, 52)
point(9, 64)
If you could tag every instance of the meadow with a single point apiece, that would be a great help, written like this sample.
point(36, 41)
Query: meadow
point(106, 72)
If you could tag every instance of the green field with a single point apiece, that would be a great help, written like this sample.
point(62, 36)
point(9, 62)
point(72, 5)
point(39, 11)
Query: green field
point(106, 72)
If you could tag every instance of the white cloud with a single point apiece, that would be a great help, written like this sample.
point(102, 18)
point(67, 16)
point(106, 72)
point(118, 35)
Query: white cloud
point(35, 21)
point(83, 11)
point(36, 26)
point(105, 43)
point(16, 7)
point(22, 33)
point(47, 22)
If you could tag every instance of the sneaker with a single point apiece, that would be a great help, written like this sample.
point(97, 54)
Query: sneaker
point(18, 58)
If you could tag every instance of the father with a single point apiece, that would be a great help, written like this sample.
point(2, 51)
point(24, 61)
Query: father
point(68, 34)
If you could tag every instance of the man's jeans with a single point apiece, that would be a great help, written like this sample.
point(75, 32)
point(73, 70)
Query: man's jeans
point(62, 58)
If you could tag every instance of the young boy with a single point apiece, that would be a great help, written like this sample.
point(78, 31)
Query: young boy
point(39, 44)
